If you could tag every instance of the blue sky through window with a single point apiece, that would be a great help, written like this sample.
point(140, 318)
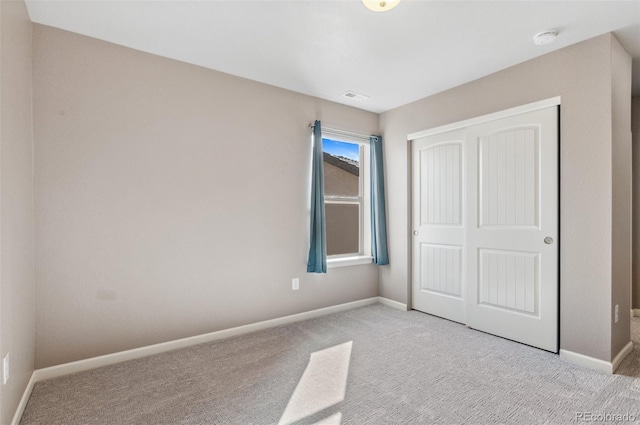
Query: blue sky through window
point(335, 148)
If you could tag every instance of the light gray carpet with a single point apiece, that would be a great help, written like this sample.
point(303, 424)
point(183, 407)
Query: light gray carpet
point(403, 368)
point(631, 365)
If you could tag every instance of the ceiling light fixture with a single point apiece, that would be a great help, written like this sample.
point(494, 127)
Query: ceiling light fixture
point(380, 5)
point(545, 37)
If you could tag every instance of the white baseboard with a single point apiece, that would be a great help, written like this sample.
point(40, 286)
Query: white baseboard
point(136, 353)
point(636, 312)
point(626, 350)
point(597, 364)
point(586, 361)
point(393, 304)
point(23, 401)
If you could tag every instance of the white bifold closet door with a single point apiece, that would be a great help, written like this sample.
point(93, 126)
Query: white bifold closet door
point(485, 227)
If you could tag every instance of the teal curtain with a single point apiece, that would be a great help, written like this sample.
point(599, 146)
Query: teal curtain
point(317, 262)
point(378, 214)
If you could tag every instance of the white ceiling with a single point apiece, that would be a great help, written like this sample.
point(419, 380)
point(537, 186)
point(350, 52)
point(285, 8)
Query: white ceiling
point(325, 48)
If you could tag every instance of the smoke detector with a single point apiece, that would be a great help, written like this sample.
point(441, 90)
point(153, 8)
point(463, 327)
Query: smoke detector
point(545, 37)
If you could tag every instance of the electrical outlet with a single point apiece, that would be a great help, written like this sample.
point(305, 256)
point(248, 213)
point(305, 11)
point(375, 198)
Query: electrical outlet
point(295, 283)
point(616, 314)
point(5, 369)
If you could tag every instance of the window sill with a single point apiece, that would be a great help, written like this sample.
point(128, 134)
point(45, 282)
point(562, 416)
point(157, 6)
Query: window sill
point(348, 261)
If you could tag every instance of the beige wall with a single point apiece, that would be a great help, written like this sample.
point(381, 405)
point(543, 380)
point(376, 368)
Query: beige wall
point(141, 237)
point(635, 128)
point(581, 74)
point(16, 204)
point(621, 209)
point(141, 234)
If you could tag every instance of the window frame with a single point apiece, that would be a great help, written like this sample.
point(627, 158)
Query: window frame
point(363, 256)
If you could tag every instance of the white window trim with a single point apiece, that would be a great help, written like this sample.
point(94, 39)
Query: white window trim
point(364, 256)
point(357, 260)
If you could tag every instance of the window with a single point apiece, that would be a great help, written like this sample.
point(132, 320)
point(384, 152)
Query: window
point(346, 199)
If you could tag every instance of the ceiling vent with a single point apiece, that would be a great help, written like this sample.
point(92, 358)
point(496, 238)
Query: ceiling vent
point(355, 96)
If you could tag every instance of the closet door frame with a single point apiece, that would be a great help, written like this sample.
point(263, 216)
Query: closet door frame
point(462, 125)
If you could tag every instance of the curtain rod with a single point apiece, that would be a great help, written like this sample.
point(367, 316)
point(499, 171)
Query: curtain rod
point(338, 132)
